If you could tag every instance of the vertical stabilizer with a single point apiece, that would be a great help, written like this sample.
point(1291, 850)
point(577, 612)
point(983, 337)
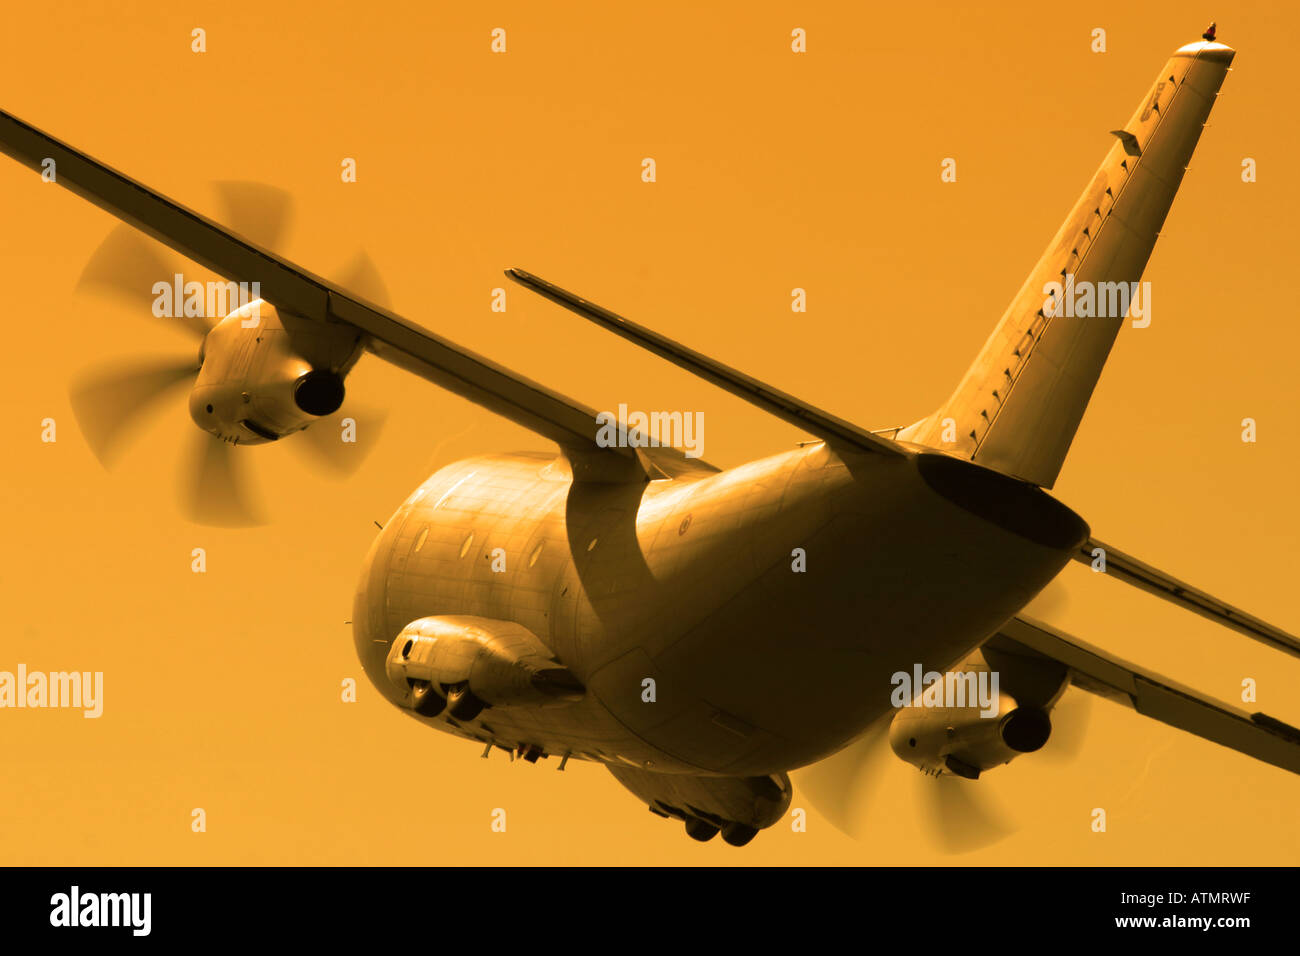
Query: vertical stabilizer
point(1019, 405)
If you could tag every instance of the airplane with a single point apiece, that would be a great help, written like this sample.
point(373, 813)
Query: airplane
point(703, 632)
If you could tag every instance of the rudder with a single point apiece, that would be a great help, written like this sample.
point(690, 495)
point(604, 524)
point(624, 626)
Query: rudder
point(1019, 405)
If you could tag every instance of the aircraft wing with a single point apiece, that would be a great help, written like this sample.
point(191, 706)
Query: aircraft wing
point(1096, 671)
point(570, 424)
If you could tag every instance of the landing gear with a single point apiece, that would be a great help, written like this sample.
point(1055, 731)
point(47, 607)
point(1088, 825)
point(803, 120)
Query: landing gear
point(426, 701)
point(704, 830)
point(462, 704)
point(701, 830)
point(737, 834)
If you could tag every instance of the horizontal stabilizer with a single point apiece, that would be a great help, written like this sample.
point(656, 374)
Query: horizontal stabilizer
point(782, 405)
point(1130, 570)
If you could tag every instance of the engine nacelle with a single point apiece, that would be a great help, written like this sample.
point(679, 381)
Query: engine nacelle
point(963, 742)
point(965, 721)
point(267, 374)
point(498, 662)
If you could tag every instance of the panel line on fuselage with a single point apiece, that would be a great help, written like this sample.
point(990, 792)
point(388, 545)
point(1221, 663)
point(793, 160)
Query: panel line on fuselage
point(448, 493)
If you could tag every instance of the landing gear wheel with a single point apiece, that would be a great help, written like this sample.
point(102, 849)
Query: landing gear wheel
point(425, 700)
point(737, 834)
point(701, 830)
point(462, 704)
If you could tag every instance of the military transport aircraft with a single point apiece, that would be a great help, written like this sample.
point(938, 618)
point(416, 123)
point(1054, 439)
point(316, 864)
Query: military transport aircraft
point(654, 616)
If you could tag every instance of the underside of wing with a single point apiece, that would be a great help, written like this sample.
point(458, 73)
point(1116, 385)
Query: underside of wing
point(1096, 671)
point(570, 424)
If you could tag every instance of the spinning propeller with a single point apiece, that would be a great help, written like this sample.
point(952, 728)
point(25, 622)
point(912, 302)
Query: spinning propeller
point(957, 814)
point(112, 401)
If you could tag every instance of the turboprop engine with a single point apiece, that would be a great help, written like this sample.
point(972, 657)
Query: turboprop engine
point(967, 720)
point(259, 373)
point(265, 374)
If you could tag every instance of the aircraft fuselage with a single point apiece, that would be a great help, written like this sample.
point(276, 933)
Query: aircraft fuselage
point(769, 605)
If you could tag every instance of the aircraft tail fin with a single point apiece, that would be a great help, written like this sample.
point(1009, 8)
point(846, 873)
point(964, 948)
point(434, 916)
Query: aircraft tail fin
point(1019, 405)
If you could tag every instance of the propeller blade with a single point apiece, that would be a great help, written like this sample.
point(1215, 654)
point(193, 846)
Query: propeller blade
point(1070, 718)
point(1070, 713)
point(342, 441)
point(217, 492)
point(258, 212)
point(958, 816)
point(127, 265)
point(839, 786)
point(108, 403)
point(362, 277)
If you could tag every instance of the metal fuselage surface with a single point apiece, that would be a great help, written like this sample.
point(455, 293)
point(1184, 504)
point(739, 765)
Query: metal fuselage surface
point(769, 604)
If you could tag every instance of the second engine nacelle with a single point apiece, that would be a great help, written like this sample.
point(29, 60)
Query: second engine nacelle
point(963, 742)
point(265, 374)
point(964, 721)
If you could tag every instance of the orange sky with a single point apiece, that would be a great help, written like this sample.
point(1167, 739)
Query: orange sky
point(774, 171)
